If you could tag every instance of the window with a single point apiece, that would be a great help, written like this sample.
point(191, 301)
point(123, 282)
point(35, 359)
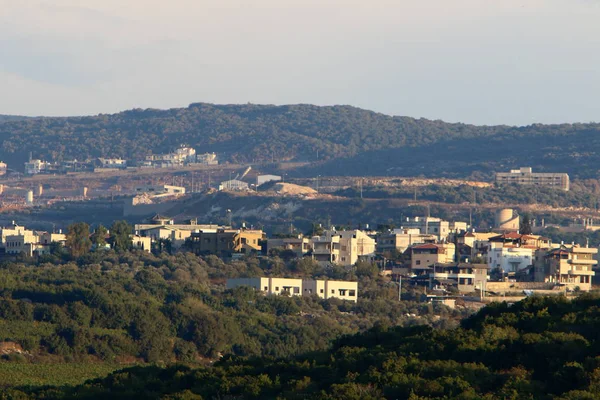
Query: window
point(332, 291)
point(352, 293)
point(266, 288)
point(296, 290)
point(321, 291)
point(342, 292)
point(277, 288)
point(418, 262)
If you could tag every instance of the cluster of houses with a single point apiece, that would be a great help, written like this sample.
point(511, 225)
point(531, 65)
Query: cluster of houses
point(182, 156)
point(17, 240)
point(436, 253)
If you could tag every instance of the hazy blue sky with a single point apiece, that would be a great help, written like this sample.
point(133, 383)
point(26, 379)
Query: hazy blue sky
point(478, 61)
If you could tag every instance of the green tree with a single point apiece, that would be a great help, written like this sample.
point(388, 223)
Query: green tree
point(78, 239)
point(99, 236)
point(525, 228)
point(119, 235)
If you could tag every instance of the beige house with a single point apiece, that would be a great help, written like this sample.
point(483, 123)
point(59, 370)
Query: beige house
point(343, 247)
point(299, 245)
point(467, 278)
point(141, 243)
point(402, 239)
point(19, 240)
point(324, 289)
point(423, 256)
point(571, 266)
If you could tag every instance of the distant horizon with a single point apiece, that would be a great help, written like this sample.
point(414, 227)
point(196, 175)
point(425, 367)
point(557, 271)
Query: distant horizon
point(290, 104)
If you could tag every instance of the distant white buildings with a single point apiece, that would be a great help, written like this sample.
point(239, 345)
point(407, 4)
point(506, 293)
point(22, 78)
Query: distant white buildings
point(160, 189)
point(16, 239)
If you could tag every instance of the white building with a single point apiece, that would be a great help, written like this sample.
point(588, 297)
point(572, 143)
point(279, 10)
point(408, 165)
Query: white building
point(34, 167)
point(112, 163)
point(509, 258)
point(343, 247)
point(324, 289)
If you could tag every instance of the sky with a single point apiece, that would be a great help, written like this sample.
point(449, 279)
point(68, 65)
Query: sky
point(473, 61)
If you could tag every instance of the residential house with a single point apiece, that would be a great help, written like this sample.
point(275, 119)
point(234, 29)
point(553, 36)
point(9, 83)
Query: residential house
point(401, 239)
point(343, 247)
point(423, 256)
point(571, 266)
point(325, 289)
point(225, 241)
point(465, 277)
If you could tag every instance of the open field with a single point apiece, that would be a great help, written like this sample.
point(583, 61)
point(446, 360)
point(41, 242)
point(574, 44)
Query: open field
point(23, 374)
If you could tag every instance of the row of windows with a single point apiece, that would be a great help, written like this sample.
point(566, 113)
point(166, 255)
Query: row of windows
point(342, 292)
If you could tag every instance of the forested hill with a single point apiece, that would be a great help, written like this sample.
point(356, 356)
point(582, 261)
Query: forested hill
point(540, 348)
point(351, 139)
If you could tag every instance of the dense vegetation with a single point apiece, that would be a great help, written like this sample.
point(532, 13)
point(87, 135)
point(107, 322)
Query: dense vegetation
point(358, 141)
point(540, 348)
point(135, 307)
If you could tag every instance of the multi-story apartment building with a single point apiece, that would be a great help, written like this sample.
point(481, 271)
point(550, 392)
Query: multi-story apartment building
point(225, 241)
point(435, 226)
point(525, 176)
point(423, 256)
point(181, 156)
point(571, 266)
point(324, 289)
point(402, 239)
point(343, 247)
point(465, 277)
point(299, 245)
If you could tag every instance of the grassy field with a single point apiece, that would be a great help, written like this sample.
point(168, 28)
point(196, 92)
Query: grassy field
point(23, 374)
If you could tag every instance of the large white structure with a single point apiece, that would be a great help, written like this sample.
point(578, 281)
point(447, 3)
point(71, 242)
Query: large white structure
point(16, 239)
point(509, 259)
point(324, 289)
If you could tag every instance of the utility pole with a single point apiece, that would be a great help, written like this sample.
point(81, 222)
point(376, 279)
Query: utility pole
point(399, 287)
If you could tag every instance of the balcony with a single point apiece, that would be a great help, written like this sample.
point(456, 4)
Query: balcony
point(583, 261)
point(578, 273)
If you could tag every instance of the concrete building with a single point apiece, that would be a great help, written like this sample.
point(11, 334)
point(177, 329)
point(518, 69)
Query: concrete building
point(423, 256)
point(465, 277)
point(570, 266)
point(207, 159)
point(525, 176)
point(34, 167)
point(234, 185)
point(225, 241)
point(112, 163)
point(160, 189)
point(401, 239)
point(141, 243)
point(325, 289)
point(19, 240)
point(343, 247)
point(3, 168)
point(181, 156)
point(435, 226)
point(509, 258)
point(299, 245)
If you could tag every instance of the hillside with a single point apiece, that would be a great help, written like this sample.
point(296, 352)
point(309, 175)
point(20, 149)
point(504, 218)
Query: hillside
point(347, 139)
point(540, 348)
